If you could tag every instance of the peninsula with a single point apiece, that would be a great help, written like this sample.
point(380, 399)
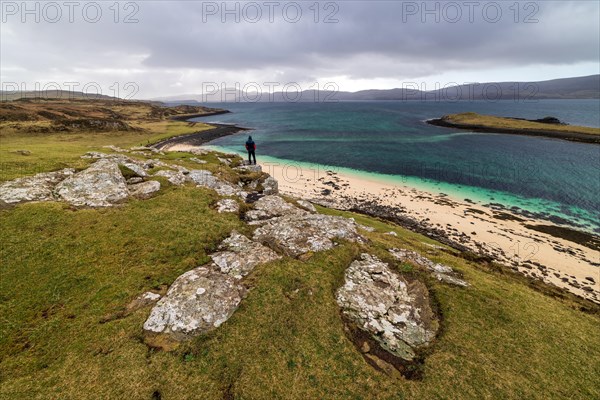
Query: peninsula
point(548, 126)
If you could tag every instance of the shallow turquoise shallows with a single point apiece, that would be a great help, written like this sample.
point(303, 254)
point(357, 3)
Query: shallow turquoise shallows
point(554, 179)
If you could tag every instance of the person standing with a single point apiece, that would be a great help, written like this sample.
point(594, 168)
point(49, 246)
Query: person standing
point(251, 148)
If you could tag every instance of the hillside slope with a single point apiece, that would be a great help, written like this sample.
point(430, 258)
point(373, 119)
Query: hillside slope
point(70, 274)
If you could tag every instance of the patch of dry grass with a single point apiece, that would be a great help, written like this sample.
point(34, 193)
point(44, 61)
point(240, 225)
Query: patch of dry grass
point(489, 121)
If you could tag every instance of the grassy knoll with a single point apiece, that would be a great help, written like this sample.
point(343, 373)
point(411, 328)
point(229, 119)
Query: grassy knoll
point(39, 136)
point(63, 270)
point(488, 123)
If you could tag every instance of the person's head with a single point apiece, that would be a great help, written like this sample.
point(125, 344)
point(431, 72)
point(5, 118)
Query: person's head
point(249, 138)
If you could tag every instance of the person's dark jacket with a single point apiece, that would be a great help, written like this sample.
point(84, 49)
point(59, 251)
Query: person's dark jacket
point(250, 145)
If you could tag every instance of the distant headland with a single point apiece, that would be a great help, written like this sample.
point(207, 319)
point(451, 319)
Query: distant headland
point(548, 127)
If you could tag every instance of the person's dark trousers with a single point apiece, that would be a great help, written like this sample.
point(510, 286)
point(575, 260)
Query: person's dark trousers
point(251, 154)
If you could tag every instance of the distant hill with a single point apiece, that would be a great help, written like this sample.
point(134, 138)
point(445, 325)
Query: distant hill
point(6, 95)
point(585, 87)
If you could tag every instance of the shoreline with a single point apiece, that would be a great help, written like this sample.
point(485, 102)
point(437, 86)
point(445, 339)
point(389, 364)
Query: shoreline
point(484, 232)
point(187, 117)
point(201, 137)
point(488, 232)
point(571, 136)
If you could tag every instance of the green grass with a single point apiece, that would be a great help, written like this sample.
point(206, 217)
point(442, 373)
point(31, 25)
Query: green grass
point(63, 270)
point(55, 151)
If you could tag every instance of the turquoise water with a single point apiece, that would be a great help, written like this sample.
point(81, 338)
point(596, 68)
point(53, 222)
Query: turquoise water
point(553, 179)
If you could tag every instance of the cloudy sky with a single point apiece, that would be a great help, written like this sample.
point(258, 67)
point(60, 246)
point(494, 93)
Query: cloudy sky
point(157, 48)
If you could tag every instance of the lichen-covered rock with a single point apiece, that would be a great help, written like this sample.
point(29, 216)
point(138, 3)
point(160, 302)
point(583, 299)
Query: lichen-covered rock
point(174, 177)
point(249, 168)
point(240, 255)
point(228, 206)
point(225, 189)
point(308, 206)
point(199, 301)
point(297, 234)
point(138, 169)
point(134, 180)
point(32, 188)
point(144, 190)
point(268, 207)
point(270, 186)
point(395, 312)
point(100, 185)
point(206, 179)
point(440, 271)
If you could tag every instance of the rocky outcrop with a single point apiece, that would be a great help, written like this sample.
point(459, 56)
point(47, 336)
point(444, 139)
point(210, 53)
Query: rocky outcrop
point(240, 255)
point(297, 234)
point(271, 206)
point(32, 188)
point(203, 178)
point(101, 185)
point(441, 272)
point(136, 168)
point(174, 177)
point(270, 186)
point(249, 168)
point(228, 206)
point(308, 206)
point(394, 311)
point(144, 190)
point(198, 301)
point(202, 299)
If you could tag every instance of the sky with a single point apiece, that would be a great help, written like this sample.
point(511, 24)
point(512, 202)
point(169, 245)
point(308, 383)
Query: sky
point(149, 49)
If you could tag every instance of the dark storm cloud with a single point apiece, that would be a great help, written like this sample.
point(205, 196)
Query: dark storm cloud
point(565, 32)
point(372, 39)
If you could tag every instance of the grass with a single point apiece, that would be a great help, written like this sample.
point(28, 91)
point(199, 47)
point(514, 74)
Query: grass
point(493, 122)
point(63, 270)
point(55, 151)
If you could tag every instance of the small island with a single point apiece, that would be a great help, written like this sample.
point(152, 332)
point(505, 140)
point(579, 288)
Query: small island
point(548, 127)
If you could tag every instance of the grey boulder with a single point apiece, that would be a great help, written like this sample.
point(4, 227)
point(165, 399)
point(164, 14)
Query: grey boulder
point(297, 234)
point(32, 188)
point(174, 177)
point(270, 186)
point(240, 255)
point(206, 179)
point(228, 206)
point(144, 190)
point(268, 207)
point(395, 312)
point(198, 301)
point(100, 185)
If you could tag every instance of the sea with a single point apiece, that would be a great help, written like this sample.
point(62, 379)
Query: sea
point(551, 179)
